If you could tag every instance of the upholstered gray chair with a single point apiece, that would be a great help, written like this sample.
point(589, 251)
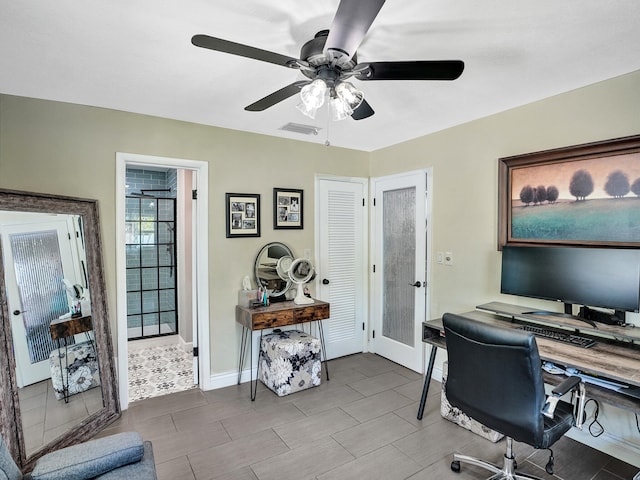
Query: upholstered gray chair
point(495, 377)
point(123, 456)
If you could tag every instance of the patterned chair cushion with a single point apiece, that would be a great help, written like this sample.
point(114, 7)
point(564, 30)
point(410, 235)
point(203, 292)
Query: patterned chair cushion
point(81, 365)
point(289, 361)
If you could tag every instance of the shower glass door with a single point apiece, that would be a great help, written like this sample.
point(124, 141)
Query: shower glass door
point(151, 267)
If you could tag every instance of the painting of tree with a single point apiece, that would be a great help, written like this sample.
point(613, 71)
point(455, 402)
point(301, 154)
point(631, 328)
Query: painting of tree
point(587, 195)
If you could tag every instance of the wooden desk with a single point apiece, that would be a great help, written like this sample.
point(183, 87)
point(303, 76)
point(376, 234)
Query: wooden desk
point(68, 327)
point(62, 328)
point(616, 356)
point(276, 315)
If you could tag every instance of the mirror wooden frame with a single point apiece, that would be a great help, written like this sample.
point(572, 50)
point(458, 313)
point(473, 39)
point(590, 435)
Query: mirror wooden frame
point(10, 416)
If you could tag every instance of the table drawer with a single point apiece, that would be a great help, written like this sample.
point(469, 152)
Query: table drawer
point(272, 319)
point(312, 313)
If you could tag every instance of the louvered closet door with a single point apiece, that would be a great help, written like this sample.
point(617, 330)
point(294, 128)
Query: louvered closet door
point(342, 255)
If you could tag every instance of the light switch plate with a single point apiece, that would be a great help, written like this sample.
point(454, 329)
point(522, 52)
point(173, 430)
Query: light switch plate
point(448, 258)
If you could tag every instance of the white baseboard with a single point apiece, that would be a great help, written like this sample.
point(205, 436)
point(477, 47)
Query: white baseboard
point(228, 379)
point(187, 347)
point(610, 444)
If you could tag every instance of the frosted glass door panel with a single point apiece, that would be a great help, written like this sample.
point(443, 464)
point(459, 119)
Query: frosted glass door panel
point(398, 257)
point(399, 236)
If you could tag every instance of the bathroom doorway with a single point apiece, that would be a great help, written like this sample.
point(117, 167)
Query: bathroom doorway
point(161, 291)
point(150, 227)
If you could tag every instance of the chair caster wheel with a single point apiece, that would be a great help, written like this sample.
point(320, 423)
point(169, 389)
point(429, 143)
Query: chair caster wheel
point(455, 466)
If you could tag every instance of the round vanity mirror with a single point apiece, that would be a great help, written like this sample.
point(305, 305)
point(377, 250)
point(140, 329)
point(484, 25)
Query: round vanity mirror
point(271, 266)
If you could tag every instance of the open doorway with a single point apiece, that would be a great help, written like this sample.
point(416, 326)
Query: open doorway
point(162, 294)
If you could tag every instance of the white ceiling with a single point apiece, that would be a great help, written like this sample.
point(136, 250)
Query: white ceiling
point(137, 56)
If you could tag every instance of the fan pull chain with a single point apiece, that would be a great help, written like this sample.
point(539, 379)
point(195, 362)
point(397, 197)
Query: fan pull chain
point(326, 142)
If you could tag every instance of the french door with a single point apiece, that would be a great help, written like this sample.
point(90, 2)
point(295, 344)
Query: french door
point(399, 270)
point(38, 257)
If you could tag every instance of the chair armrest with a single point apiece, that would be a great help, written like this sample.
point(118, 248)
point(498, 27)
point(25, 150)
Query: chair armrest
point(569, 384)
point(90, 459)
point(566, 386)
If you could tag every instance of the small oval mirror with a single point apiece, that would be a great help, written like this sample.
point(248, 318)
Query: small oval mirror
point(266, 269)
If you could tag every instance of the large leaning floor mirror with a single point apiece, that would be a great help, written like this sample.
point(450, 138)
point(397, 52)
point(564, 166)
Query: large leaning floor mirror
point(57, 381)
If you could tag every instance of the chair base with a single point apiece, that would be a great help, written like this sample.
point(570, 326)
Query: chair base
point(506, 472)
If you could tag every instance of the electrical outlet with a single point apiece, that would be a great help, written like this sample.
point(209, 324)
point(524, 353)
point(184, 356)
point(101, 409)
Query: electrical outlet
point(440, 257)
point(448, 258)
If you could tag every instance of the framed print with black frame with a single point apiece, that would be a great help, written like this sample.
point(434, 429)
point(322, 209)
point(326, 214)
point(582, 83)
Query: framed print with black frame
point(243, 214)
point(287, 208)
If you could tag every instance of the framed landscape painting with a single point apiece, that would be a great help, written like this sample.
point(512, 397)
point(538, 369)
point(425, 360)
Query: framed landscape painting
point(582, 195)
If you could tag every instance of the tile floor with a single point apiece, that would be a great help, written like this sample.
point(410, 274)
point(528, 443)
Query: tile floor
point(360, 425)
point(158, 369)
point(44, 417)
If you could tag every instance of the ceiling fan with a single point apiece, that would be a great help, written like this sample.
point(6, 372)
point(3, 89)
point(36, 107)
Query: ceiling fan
point(329, 60)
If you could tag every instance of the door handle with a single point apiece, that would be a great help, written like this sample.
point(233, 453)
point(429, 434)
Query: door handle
point(17, 312)
point(417, 284)
point(325, 281)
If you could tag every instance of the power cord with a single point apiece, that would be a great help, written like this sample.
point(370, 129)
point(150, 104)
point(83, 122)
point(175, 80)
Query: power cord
point(595, 427)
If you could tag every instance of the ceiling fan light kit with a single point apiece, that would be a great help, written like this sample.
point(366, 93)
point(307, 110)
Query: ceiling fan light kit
point(329, 60)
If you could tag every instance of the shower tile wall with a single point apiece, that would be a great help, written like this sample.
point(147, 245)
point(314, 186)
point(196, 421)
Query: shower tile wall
point(151, 291)
point(138, 179)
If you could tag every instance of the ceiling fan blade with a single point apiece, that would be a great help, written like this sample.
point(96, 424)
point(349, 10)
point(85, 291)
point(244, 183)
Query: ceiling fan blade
point(413, 70)
point(276, 97)
point(220, 45)
point(350, 25)
point(363, 111)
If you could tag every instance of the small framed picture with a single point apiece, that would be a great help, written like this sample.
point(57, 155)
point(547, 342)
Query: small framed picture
point(287, 208)
point(243, 214)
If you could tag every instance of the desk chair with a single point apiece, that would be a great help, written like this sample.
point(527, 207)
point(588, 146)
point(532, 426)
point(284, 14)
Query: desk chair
point(495, 377)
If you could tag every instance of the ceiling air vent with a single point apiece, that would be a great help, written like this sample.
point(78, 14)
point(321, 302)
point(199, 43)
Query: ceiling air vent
point(300, 128)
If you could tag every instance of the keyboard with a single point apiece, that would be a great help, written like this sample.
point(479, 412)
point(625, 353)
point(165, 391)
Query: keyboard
point(559, 336)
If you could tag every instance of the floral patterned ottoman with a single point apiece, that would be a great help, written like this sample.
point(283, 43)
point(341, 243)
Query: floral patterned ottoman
point(454, 414)
point(289, 361)
point(81, 367)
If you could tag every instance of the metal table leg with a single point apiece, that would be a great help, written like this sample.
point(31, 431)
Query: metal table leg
point(243, 352)
point(322, 347)
point(254, 385)
point(427, 379)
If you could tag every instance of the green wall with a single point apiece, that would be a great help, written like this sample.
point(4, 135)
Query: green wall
point(465, 176)
point(464, 160)
point(67, 149)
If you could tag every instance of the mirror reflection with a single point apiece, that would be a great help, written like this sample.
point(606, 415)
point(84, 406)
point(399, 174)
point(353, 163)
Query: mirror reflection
point(52, 301)
point(49, 307)
point(273, 259)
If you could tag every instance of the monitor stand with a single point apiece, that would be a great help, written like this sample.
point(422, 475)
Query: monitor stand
point(567, 314)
